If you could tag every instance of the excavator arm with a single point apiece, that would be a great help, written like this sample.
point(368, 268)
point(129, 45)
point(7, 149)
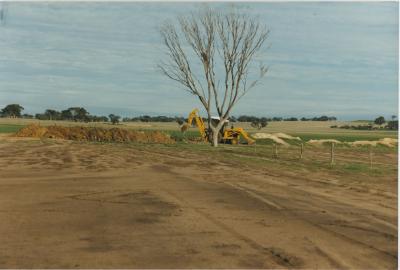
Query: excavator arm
point(246, 136)
point(199, 123)
point(234, 134)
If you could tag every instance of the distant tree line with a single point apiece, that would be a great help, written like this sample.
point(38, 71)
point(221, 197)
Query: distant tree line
point(148, 118)
point(379, 123)
point(80, 114)
point(321, 118)
point(77, 114)
point(247, 118)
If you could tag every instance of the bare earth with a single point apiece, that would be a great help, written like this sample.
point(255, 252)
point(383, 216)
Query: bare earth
point(79, 205)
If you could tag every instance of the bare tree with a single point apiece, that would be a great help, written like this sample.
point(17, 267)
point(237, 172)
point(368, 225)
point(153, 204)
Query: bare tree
point(224, 46)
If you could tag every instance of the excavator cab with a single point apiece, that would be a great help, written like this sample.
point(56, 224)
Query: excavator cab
point(215, 121)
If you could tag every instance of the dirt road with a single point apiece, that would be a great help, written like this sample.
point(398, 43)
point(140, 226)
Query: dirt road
point(72, 205)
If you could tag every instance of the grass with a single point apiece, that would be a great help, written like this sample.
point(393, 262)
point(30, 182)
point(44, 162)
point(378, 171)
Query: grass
point(10, 128)
point(350, 160)
point(350, 137)
point(355, 167)
point(180, 137)
point(193, 134)
point(308, 129)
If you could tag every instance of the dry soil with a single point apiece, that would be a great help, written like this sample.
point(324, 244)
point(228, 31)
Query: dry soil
point(67, 204)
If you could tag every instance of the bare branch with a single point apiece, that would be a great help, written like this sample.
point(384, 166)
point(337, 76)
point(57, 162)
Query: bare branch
point(236, 39)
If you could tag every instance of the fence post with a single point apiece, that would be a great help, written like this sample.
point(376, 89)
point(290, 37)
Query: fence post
point(301, 150)
point(332, 153)
point(274, 150)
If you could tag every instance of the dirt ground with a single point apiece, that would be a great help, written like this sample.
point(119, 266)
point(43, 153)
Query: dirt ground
point(67, 204)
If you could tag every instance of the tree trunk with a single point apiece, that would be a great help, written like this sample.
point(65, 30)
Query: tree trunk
point(216, 131)
point(215, 137)
point(210, 130)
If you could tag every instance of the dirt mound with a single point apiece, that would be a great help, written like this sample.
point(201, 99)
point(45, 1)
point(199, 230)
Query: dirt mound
point(94, 134)
point(273, 137)
point(389, 142)
point(35, 131)
point(286, 136)
point(276, 137)
point(319, 142)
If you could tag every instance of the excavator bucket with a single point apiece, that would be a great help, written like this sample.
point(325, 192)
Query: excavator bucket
point(232, 135)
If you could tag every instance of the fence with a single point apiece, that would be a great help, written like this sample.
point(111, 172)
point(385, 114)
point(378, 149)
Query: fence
point(329, 154)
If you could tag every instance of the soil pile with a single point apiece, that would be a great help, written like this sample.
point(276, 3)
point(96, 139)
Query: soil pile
point(276, 137)
point(320, 142)
point(286, 136)
point(269, 136)
point(389, 142)
point(34, 131)
point(94, 134)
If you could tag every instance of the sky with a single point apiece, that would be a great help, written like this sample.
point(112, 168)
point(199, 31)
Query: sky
point(334, 58)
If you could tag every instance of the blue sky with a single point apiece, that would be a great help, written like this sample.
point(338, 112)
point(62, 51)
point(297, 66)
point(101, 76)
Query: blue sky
point(325, 58)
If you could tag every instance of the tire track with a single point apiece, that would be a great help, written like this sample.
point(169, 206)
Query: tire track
point(332, 232)
point(276, 255)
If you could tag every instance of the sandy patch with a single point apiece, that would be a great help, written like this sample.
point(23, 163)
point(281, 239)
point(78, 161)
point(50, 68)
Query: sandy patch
point(320, 142)
point(286, 136)
point(389, 142)
point(269, 136)
point(276, 137)
point(110, 206)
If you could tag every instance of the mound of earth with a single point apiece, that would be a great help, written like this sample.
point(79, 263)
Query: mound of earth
point(319, 142)
point(286, 136)
point(94, 134)
point(389, 142)
point(276, 137)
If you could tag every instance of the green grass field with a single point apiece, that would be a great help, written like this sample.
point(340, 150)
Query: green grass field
point(9, 128)
point(348, 160)
point(305, 130)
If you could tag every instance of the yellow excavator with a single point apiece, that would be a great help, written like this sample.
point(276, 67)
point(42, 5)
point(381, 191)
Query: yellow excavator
point(228, 135)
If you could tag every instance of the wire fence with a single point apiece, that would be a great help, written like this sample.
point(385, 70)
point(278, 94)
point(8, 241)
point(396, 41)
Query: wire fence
point(330, 154)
